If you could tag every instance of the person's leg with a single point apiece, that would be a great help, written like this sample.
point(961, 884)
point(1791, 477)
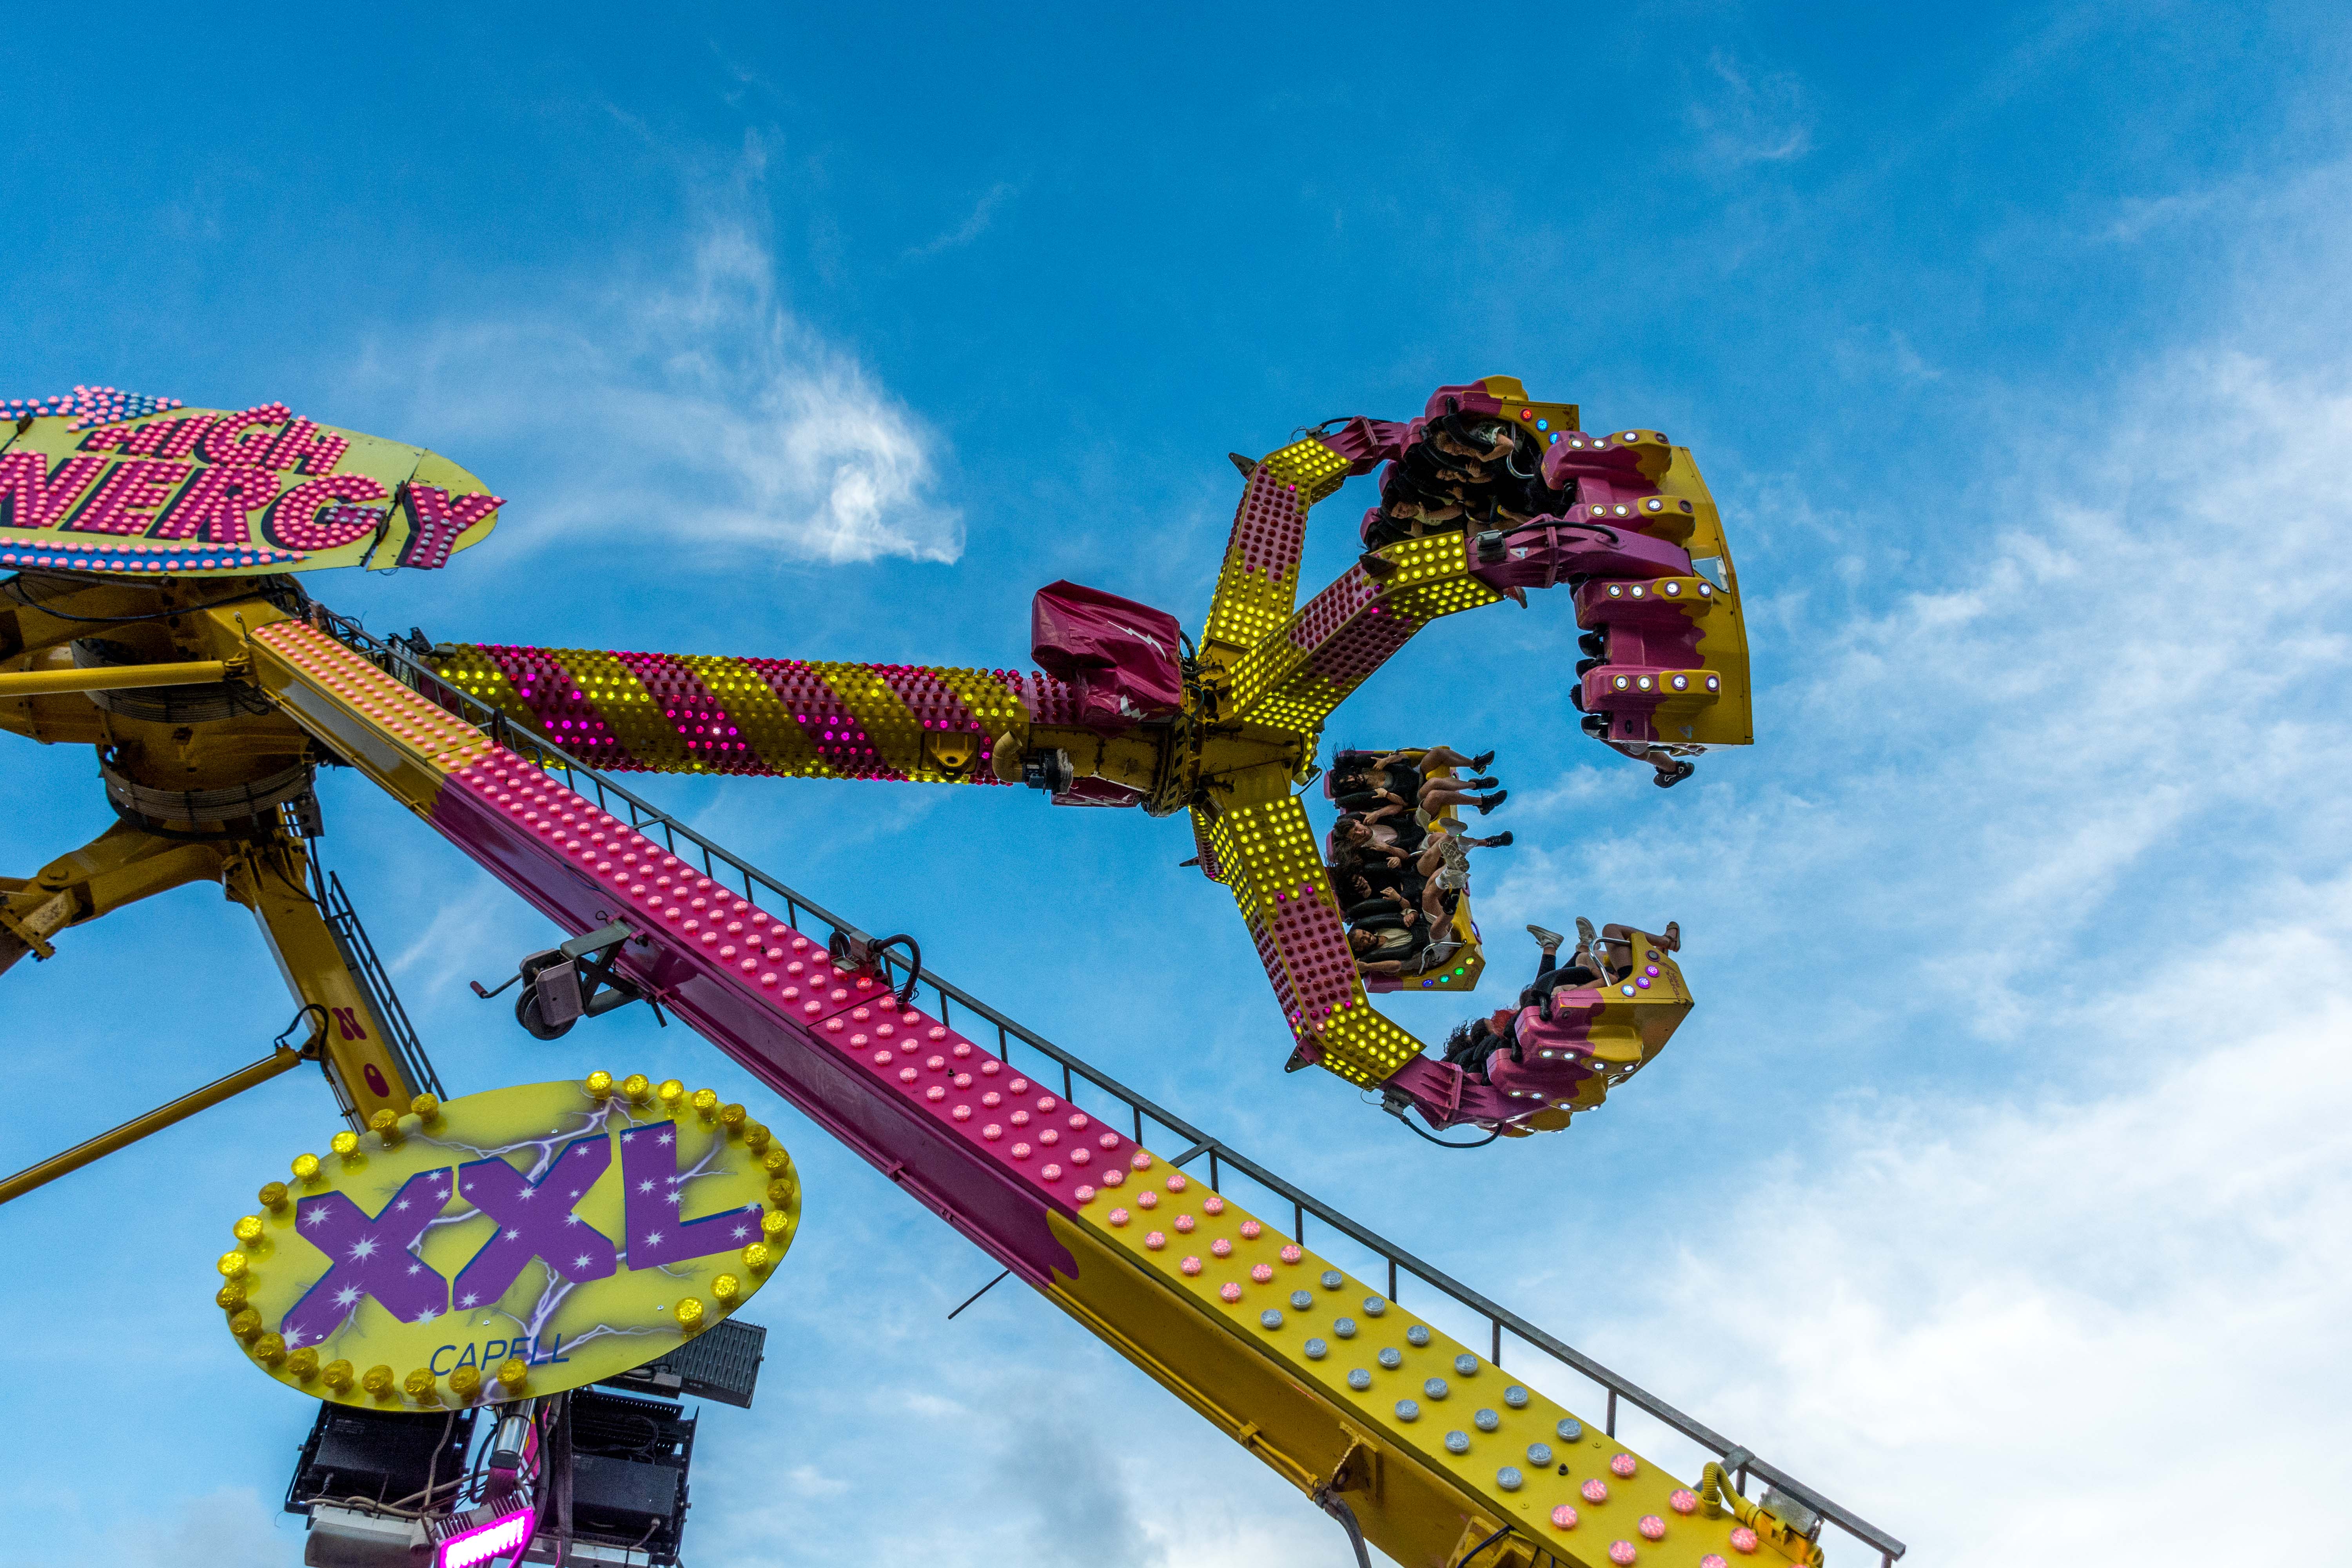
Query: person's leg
point(1439, 794)
point(1438, 757)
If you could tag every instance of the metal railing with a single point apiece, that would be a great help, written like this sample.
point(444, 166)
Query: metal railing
point(360, 957)
point(1142, 1112)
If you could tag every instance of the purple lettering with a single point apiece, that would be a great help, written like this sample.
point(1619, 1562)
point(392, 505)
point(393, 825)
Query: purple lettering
point(654, 1205)
point(536, 1219)
point(371, 1256)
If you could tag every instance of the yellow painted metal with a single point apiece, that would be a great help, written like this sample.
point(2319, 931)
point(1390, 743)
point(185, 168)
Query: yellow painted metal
point(898, 712)
point(1259, 580)
point(380, 726)
point(563, 1323)
point(120, 866)
point(268, 878)
point(285, 1058)
point(1275, 1375)
point(171, 461)
point(1266, 855)
point(111, 678)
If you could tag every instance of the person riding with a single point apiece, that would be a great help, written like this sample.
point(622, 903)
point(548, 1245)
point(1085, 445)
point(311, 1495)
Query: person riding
point(1472, 1041)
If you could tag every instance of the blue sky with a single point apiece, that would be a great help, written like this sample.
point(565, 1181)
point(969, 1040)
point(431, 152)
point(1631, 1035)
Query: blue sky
point(2008, 1144)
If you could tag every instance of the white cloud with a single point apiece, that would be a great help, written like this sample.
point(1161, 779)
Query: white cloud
point(809, 1481)
point(226, 1529)
point(1746, 118)
point(2070, 831)
point(695, 410)
point(977, 223)
point(2008, 1329)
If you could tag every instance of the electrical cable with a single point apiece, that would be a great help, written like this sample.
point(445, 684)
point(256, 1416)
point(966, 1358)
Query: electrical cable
point(1481, 1546)
point(15, 593)
point(1443, 1143)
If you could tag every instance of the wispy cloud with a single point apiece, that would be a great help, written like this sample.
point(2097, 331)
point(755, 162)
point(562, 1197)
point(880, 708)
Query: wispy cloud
point(226, 1529)
point(975, 224)
point(1743, 116)
point(2069, 813)
point(695, 408)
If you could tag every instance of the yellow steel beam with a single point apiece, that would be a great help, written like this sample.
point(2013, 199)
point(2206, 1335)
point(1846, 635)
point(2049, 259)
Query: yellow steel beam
point(119, 866)
point(111, 678)
point(283, 1059)
point(267, 878)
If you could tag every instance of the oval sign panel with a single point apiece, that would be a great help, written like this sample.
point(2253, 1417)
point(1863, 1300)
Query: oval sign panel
point(523, 1241)
point(101, 480)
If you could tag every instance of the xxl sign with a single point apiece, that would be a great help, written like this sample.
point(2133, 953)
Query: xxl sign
point(522, 1241)
point(146, 487)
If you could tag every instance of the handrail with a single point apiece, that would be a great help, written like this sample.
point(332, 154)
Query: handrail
point(396, 660)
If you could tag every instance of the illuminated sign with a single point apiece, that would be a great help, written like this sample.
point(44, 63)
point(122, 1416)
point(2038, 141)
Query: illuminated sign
point(103, 481)
point(523, 1241)
point(506, 1533)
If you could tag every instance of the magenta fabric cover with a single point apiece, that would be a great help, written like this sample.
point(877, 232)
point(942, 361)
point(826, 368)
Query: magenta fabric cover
point(1118, 657)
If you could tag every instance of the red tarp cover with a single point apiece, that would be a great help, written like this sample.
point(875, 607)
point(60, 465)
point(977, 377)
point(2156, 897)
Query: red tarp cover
point(1118, 657)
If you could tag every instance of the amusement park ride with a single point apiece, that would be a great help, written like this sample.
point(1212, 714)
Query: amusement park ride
point(156, 614)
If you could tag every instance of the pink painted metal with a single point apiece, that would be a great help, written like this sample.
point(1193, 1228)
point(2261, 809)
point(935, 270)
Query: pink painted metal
point(1118, 657)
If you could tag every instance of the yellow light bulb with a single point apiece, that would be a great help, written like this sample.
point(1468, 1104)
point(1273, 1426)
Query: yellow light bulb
point(231, 1296)
point(600, 1085)
point(422, 1388)
point(269, 1349)
point(775, 1226)
point(465, 1383)
point(757, 1258)
point(426, 1109)
point(781, 1193)
point(671, 1092)
point(385, 1125)
point(232, 1265)
point(755, 1136)
point(246, 1324)
point(776, 1162)
point(377, 1380)
point(512, 1373)
point(306, 1167)
point(727, 1287)
point(637, 1088)
point(249, 1229)
point(273, 1197)
point(345, 1144)
point(689, 1314)
point(303, 1364)
point(337, 1375)
point(706, 1104)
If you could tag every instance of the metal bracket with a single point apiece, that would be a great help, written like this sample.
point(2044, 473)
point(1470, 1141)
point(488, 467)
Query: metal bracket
point(25, 932)
point(856, 950)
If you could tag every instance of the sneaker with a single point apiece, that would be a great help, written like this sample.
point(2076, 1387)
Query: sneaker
point(1585, 935)
point(1479, 763)
point(1500, 841)
point(1492, 801)
point(1479, 784)
point(1551, 940)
